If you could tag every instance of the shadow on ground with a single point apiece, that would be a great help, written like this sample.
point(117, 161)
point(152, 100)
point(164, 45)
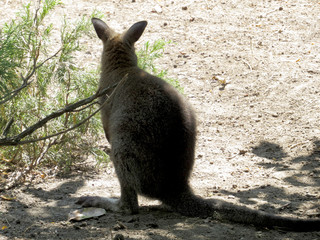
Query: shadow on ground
point(269, 196)
point(309, 164)
point(42, 214)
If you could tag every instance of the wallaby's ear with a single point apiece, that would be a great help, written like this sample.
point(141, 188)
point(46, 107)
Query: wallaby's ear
point(102, 29)
point(134, 33)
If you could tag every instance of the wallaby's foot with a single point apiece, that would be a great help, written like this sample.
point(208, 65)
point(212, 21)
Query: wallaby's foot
point(110, 204)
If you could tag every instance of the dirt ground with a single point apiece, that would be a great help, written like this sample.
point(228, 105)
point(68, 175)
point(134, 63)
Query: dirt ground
point(251, 71)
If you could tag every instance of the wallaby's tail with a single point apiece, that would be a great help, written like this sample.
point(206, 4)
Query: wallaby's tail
point(190, 205)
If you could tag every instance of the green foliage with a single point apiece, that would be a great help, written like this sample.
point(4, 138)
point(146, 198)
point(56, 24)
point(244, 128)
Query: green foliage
point(147, 57)
point(58, 82)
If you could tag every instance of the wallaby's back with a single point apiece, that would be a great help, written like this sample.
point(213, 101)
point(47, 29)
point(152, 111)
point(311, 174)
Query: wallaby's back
point(152, 134)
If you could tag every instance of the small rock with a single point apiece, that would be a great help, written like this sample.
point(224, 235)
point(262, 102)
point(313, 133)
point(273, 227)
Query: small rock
point(157, 9)
point(242, 152)
point(133, 219)
point(32, 235)
point(185, 8)
point(84, 224)
point(118, 237)
point(152, 225)
point(119, 226)
point(76, 227)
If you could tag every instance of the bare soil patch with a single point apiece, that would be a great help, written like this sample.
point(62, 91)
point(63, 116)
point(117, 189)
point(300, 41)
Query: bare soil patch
point(251, 71)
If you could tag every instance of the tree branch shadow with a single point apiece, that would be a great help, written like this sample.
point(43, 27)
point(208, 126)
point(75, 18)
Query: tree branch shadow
point(276, 199)
point(310, 163)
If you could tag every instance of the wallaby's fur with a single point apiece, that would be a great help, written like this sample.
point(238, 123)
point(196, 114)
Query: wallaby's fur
point(152, 132)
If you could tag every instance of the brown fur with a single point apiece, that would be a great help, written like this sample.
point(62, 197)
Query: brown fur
point(152, 132)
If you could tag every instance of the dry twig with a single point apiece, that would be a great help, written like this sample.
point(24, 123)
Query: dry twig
point(16, 140)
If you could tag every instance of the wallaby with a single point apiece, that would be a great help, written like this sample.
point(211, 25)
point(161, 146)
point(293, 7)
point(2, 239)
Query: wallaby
point(152, 132)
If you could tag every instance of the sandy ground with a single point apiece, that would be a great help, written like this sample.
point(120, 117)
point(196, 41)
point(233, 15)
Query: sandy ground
point(251, 71)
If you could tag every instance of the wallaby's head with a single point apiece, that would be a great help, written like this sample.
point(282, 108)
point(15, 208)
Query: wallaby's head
point(118, 48)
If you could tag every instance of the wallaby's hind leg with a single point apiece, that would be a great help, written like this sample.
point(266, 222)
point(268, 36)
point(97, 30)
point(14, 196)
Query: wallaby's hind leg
point(128, 201)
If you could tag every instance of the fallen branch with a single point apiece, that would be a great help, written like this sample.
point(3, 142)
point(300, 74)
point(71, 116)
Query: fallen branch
point(63, 131)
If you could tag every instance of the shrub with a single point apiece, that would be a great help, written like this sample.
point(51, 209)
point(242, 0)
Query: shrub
point(147, 57)
point(27, 48)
